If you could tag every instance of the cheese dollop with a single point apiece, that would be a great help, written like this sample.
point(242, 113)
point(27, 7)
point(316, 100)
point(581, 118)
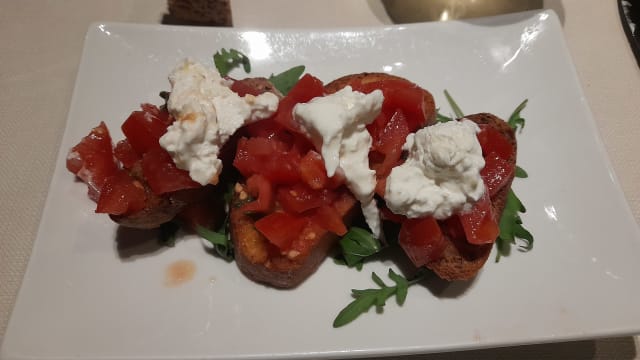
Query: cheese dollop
point(207, 113)
point(336, 124)
point(441, 174)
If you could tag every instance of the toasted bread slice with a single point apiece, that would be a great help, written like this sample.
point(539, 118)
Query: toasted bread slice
point(160, 209)
point(201, 12)
point(461, 260)
point(261, 261)
point(428, 105)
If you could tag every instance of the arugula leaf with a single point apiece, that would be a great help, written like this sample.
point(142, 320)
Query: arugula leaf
point(365, 299)
point(402, 285)
point(356, 245)
point(520, 173)
point(226, 61)
point(287, 79)
point(511, 227)
point(515, 120)
point(167, 234)
point(221, 238)
point(456, 109)
point(220, 241)
point(442, 118)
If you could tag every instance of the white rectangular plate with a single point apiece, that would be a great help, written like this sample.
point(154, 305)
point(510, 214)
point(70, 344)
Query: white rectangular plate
point(85, 296)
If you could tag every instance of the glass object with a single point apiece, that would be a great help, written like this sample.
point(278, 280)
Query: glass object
point(408, 11)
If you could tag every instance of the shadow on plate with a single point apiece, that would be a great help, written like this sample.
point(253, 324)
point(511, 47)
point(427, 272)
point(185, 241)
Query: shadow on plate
point(132, 244)
point(438, 287)
point(446, 289)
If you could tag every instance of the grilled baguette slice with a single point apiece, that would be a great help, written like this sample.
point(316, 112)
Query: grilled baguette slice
point(257, 258)
point(262, 262)
point(461, 260)
point(160, 209)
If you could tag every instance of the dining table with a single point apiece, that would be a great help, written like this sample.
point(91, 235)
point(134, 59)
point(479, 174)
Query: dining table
point(41, 44)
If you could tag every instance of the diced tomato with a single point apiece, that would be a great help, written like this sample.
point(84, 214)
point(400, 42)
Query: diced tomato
point(92, 160)
point(453, 229)
point(304, 90)
point(379, 123)
point(121, 194)
point(314, 173)
point(386, 152)
point(411, 101)
point(402, 112)
point(144, 128)
point(299, 198)
point(267, 157)
point(492, 141)
point(399, 94)
point(307, 238)
point(496, 172)
point(497, 152)
point(390, 143)
point(125, 154)
point(479, 224)
point(422, 240)
point(268, 129)
point(242, 88)
point(309, 203)
point(162, 174)
point(338, 179)
point(161, 113)
point(312, 170)
point(394, 134)
point(281, 228)
point(387, 214)
point(260, 188)
point(327, 217)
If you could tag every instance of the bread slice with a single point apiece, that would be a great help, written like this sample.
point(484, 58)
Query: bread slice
point(160, 209)
point(201, 12)
point(262, 262)
point(461, 260)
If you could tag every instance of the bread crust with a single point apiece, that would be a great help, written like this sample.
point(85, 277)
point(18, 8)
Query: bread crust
point(461, 260)
point(157, 211)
